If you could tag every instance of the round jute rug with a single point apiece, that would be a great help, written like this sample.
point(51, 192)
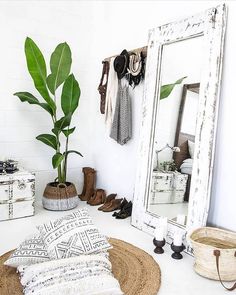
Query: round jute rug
point(136, 271)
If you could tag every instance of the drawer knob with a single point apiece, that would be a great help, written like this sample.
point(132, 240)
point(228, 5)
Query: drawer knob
point(21, 185)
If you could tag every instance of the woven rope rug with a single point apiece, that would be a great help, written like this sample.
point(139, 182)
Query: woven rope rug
point(136, 271)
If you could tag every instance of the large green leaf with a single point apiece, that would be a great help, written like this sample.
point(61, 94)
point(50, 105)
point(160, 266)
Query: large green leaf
point(57, 159)
point(56, 131)
point(66, 156)
point(31, 99)
point(37, 69)
point(70, 95)
point(63, 122)
point(48, 139)
point(68, 132)
point(167, 89)
point(60, 64)
point(72, 151)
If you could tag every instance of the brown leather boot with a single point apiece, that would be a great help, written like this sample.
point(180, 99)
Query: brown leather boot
point(98, 198)
point(107, 201)
point(114, 205)
point(89, 183)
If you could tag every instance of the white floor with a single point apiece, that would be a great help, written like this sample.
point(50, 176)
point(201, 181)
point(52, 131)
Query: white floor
point(169, 210)
point(178, 277)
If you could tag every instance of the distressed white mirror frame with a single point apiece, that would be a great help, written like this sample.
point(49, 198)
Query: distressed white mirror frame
point(211, 26)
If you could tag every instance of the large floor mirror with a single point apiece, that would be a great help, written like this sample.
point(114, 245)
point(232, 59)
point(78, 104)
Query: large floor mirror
point(180, 104)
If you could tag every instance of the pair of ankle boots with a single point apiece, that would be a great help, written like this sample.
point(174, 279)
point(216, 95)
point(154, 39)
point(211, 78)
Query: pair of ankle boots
point(125, 210)
point(97, 198)
point(111, 204)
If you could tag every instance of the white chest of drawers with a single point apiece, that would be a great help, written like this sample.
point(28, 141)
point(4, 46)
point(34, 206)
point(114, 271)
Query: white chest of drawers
point(17, 195)
point(168, 187)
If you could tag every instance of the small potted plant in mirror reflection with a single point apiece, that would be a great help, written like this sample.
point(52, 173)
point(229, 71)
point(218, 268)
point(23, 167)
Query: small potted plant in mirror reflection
point(168, 165)
point(60, 194)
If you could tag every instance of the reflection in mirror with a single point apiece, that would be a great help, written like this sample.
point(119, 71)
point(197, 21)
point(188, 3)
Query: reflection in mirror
point(175, 128)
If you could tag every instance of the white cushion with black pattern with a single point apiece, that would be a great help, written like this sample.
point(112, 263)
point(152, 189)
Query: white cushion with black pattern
point(73, 235)
point(31, 251)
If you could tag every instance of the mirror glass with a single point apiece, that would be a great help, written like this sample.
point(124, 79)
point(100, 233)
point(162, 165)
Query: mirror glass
point(175, 127)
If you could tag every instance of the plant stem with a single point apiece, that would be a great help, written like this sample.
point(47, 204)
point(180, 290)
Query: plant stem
point(59, 174)
point(55, 115)
point(66, 149)
point(60, 178)
point(59, 168)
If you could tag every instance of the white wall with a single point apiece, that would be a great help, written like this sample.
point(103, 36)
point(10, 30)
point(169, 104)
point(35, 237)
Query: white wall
point(96, 30)
point(190, 113)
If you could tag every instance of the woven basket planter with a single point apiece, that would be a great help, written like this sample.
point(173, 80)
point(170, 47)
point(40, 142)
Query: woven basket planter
point(60, 196)
point(208, 243)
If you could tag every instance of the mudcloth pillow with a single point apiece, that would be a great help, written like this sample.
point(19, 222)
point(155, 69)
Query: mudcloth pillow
point(31, 251)
point(73, 235)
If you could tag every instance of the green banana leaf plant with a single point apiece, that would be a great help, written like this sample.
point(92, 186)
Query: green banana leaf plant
point(46, 85)
point(167, 89)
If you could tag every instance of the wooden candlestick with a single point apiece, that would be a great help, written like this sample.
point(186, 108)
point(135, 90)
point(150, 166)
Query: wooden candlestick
point(177, 251)
point(159, 246)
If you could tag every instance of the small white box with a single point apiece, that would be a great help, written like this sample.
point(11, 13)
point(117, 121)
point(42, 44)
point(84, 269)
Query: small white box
point(17, 195)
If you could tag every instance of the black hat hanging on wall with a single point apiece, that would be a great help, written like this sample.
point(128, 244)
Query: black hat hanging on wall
point(121, 64)
point(131, 66)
